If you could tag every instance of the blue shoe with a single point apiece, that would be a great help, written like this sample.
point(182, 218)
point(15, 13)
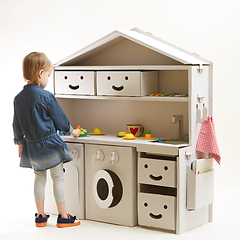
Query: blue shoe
point(41, 221)
point(67, 222)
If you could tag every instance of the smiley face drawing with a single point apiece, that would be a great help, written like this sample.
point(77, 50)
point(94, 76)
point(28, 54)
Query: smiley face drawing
point(157, 210)
point(118, 83)
point(74, 82)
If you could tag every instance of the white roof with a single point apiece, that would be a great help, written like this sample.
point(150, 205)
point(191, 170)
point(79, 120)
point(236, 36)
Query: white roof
point(139, 37)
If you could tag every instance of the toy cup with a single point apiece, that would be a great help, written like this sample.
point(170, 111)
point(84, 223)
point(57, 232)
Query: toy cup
point(135, 129)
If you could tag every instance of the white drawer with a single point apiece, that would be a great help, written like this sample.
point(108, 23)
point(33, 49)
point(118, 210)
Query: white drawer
point(127, 83)
point(157, 172)
point(75, 82)
point(156, 210)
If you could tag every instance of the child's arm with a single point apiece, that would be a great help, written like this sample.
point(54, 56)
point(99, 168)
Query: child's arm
point(17, 131)
point(58, 116)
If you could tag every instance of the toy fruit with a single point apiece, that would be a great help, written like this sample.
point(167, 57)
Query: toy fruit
point(148, 134)
point(129, 136)
point(96, 131)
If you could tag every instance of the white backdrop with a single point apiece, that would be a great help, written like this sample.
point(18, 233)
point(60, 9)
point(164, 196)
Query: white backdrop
point(59, 28)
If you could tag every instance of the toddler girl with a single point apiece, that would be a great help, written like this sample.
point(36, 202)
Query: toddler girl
point(37, 117)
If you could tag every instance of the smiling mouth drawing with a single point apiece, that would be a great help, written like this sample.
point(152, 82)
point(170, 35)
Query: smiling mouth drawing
point(117, 88)
point(74, 87)
point(159, 216)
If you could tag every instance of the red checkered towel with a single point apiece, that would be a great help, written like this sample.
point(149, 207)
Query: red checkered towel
point(207, 141)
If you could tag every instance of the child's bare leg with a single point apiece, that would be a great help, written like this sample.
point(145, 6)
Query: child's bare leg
point(40, 208)
point(62, 209)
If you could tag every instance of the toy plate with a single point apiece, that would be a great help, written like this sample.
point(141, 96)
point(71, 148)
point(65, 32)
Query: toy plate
point(143, 138)
point(102, 133)
point(129, 138)
point(83, 135)
point(120, 136)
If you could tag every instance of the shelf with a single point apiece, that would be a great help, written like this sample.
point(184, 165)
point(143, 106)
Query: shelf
point(154, 99)
point(121, 68)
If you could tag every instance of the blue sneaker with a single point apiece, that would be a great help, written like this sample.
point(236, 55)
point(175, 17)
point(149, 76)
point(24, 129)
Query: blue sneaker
point(41, 221)
point(67, 222)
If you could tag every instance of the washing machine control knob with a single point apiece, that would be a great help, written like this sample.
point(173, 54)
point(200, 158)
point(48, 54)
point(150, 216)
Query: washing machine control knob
point(114, 157)
point(74, 153)
point(99, 156)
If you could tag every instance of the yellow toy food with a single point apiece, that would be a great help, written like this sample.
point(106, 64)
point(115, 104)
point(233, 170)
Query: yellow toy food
point(122, 133)
point(96, 131)
point(129, 136)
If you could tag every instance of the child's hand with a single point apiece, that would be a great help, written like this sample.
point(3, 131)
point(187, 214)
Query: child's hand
point(75, 133)
point(20, 147)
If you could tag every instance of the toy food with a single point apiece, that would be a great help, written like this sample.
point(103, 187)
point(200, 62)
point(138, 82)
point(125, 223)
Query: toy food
point(129, 136)
point(148, 134)
point(121, 134)
point(82, 132)
point(96, 131)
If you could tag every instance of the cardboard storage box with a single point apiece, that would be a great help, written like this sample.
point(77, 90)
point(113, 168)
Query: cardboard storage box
point(127, 83)
point(156, 211)
point(75, 82)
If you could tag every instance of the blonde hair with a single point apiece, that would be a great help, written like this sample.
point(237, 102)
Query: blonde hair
point(32, 64)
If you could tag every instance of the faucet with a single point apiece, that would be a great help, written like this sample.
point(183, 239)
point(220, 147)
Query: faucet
point(179, 118)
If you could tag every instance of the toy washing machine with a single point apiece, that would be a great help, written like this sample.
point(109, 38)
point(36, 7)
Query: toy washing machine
point(111, 184)
point(73, 184)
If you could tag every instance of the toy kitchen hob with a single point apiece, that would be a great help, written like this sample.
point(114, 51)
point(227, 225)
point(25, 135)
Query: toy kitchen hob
point(128, 77)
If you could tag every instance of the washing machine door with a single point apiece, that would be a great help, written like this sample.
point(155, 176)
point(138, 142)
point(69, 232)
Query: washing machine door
point(107, 189)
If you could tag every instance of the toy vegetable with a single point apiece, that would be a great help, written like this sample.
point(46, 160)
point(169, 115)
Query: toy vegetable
point(148, 134)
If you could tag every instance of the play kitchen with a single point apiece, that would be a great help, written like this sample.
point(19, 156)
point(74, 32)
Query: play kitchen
point(143, 103)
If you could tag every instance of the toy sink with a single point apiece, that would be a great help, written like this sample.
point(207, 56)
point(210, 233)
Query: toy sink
point(169, 141)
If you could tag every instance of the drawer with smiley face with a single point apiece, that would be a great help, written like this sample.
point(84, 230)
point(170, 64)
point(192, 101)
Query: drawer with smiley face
point(75, 82)
point(157, 211)
point(157, 172)
point(127, 83)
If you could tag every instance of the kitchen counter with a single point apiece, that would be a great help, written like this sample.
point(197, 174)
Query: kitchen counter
point(141, 145)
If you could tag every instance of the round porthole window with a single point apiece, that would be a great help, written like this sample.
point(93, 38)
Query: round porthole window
point(107, 189)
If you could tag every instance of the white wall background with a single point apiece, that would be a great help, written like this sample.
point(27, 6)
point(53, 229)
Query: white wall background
point(62, 27)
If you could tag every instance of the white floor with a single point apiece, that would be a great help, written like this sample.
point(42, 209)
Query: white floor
point(225, 224)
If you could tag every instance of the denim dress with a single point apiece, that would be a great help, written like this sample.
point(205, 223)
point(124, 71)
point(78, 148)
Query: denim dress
point(37, 117)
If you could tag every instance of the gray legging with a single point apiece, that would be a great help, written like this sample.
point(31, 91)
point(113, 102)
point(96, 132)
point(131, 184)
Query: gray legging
point(57, 175)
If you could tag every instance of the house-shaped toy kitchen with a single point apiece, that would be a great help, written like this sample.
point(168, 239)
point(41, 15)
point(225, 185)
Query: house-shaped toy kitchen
point(134, 78)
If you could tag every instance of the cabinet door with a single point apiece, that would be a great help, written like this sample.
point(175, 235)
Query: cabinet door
point(73, 184)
